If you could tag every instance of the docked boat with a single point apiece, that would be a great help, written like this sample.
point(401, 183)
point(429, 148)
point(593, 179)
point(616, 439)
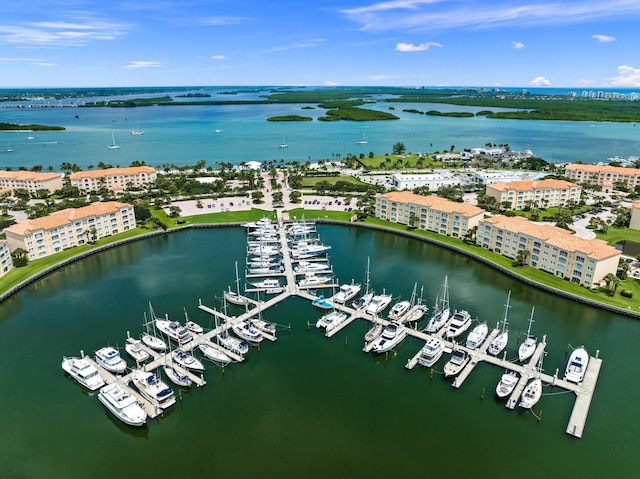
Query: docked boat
point(195, 328)
point(329, 318)
point(233, 344)
point(363, 301)
point(271, 270)
point(459, 359)
point(153, 388)
point(531, 394)
point(398, 310)
point(122, 405)
point(234, 297)
point(417, 310)
point(379, 303)
point(134, 348)
point(577, 365)
point(177, 377)
point(507, 384)
point(149, 337)
point(441, 311)
point(187, 360)
point(308, 251)
point(335, 322)
point(321, 302)
point(477, 336)
point(269, 286)
point(459, 324)
point(311, 267)
point(528, 346)
point(347, 292)
point(109, 358)
point(214, 354)
point(247, 331)
point(431, 352)
point(498, 343)
point(83, 372)
point(174, 330)
point(374, 331)
point(311, 280)
point(392, 335)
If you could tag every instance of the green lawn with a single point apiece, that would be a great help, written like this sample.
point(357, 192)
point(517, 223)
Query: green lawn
point(298, 213)
point(311, 181)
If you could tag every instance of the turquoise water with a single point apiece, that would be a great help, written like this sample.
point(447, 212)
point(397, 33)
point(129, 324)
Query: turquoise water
point(304, 406)
point(184, 135)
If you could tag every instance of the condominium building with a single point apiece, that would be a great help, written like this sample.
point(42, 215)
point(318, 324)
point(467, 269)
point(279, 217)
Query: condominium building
point(30, 181)
point(634, 223)
point(433, 181)
point(116, 179)
point(550, 248)
point(70, 227)
point(431, 213)
point(5, 258)
point(603, 175)
point(540, 193)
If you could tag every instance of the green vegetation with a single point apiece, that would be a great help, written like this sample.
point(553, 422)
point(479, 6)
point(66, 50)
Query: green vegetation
point(32, 127)
point(133, 102)
point(194, 95)
point(290, 118)
point(356, 114)
point(320, 214)
point(311, 181)
point(455, 114)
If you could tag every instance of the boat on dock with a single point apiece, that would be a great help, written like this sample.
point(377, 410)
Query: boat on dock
point(83, 372)
point(176, 377)
point(311, 280)
point(477, 336)
point(441, 311)
point(311, 267)
point(531, 394)
point(498, 343)
point(109, 358)
point(577, 365)
point(153, 389)
point(378, 303)
point(233, 344)
point(174, 330)
point(321, 302)
point(245, 330)
point(431, 352)
point(507, 384)
point(398, 310)
point(328, 319)
point(186, 360)
point(214, 354)
point(195, 328)
point(122, 405)
point(528, 346)
point(234, 297)
point(459, 359)
point(392, 335)
point(417, 310)
point(134, 348)
point(347, 292)
point(149, 337)
point(374, 331)
point(459, 324)
point(268, 286)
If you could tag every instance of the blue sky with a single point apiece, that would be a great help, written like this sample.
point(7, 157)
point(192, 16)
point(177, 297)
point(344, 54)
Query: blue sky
point(581, 44)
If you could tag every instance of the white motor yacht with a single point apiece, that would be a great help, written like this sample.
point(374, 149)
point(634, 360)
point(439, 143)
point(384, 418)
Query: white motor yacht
point(269, 286)
point(577, 365)
point(459, 324)
point(477, 336)
point(109, 358)
point(431, 352)
point(507, 384)
point(122, 405)
point(398, 310)
point(334, 316)
point(134, 348)
point(459, 359)
point(363, 301)
point(83, 372)
point(177, 377)
point(346, 292)
point(379, 303)
point(153, 388)
point(531, 394)
point(311, 267)
point(392, 335)
point(247, 331)
point(174, 330)
point(233, 344)
point(311, 280)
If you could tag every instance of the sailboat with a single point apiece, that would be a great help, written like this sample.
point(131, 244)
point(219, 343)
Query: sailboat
point(533, 391)
point(114, 145)
point(528, 347)
point(418, 310)
point(8, 149)
point(234, 297)
point(283, 144)
point(149, 337)
point(364, 300)
point(364, 139)
point(500, 341)
point(441, 309)
point(136, 131)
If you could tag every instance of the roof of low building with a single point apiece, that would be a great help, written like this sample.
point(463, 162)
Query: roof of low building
point(528, 185)
point(621, 170)
point(434, 202)
point(28, 175)
point(132, 170)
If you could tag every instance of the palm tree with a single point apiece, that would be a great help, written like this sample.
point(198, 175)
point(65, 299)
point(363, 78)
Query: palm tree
point(611, 280)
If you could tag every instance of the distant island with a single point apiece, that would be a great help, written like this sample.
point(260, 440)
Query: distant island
point(194, 95)
point(290, 118)
point(32, 127)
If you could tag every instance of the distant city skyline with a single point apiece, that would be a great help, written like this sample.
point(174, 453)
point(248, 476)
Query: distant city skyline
point(585, 45)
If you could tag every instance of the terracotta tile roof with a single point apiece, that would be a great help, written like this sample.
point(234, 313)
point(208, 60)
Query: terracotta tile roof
point(434, 202)
point(64, 217)
point(554, 236)
point(133, 170)
point(603, 168)
point(28, 175)
point(528, 185)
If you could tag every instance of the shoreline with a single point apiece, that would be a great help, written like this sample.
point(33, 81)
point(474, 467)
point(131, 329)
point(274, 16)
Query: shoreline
point(529, 282)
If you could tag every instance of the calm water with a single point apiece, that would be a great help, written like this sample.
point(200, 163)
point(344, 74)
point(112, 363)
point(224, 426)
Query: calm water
point(185, 135)
point(304, 406)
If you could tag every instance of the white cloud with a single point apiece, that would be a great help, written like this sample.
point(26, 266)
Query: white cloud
point(144, 64)
point(410, 47)
point(331, 83)
point(540, 81)
point(604, 38)
point(627, 77)
point(218, 57)
point(518, 45)
point(218, 21)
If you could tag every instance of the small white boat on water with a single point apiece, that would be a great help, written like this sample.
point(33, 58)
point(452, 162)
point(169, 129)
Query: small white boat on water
point(311, 267)
point(498, 343)
point(416, 313)
point(271, 270)
point(109, 358)
point(122, 405)
point(153, 388)
point(374, 331)
point(214, 354)
point(398, 310)
point(477, 336)
point(363, 301)
point(83, 372)
point(176, 377)
point(392, 335)
point(528, 346)
point(195, 328)
point(174, 330)
point(335, 322)
point(311, 280)
point(431, 352)
point(247, 331)
point(507, 384)
point(269, 286)
point(186, 360)
point(233, 344)
point(346, 292)
point(459, 324)
point(234, 297)
point(577, 365)
point(153, 342)
point(459, 359)
point(134, 348)
point(441, 310)
point(379, 303)
point(531, 394)
point(329, 318)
